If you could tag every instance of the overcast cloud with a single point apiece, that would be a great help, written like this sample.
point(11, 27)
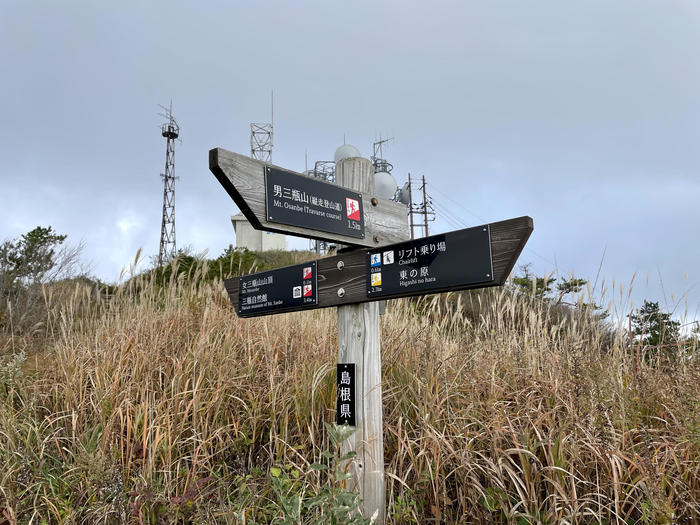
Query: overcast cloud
point(585, 116)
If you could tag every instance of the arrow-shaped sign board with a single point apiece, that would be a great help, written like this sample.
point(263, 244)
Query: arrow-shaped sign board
point(476, 257)
point(279, 200)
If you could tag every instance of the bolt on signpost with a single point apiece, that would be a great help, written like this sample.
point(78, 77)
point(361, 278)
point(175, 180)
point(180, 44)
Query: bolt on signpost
point(383, 265)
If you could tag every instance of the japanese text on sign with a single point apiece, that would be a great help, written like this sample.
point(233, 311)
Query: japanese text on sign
point(310, 203)
point(433, 263)
point(345, 397)
point(303, 197)
point(292, 286)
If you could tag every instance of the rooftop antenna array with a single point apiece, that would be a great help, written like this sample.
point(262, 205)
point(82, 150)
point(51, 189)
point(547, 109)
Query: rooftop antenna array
point(378, 161)
point(171, 131)
point(261, 136)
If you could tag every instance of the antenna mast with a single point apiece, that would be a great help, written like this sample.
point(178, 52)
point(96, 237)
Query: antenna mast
point(378, 161)
point(170, 130)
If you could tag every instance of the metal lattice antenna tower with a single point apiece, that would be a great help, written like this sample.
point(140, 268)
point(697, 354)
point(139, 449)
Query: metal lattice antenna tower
point(324, 170)
point(261, 136)
point(170, 130)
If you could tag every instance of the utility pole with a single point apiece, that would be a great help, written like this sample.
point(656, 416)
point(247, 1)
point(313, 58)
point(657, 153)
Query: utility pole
point(425, 209)
point(171, 131)
point(410, 205)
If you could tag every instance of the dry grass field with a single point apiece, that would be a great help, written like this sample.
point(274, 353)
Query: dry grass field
point(159, 405)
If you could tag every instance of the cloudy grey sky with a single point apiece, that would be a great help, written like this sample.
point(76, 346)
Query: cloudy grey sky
point(585, 116)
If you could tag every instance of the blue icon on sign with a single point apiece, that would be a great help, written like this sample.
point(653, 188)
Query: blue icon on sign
point(375, 260)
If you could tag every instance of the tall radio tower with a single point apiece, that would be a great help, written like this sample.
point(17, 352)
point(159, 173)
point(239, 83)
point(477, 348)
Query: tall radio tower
point(261, 136)
point(170, 130)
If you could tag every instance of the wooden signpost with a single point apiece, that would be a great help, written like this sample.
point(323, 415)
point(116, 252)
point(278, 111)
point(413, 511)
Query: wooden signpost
point(380, 264)
point(278, 200)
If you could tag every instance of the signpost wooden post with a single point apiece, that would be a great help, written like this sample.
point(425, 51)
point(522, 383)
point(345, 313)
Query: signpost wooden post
point(383, 265)
point(359, 343)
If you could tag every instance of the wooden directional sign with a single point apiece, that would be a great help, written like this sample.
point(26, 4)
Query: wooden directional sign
point(279, 200)
point(385, 266)
point(465, 259)
point(288, 287)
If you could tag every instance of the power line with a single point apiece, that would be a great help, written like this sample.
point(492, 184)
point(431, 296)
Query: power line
point(527, 248)
point(447, 197)
point(448, 220)
point(447, 213)
point(449, 217)
point(446, 210)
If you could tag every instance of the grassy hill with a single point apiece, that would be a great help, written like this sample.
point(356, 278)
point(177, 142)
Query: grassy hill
point(161, 406)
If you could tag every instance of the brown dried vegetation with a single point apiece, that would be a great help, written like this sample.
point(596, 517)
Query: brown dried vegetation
point(161, 406)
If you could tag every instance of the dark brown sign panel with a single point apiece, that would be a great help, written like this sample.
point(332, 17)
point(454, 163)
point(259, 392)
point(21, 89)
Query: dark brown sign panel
point(288, 287)
point(447, 261)
point(310, 203)
point(472, 258)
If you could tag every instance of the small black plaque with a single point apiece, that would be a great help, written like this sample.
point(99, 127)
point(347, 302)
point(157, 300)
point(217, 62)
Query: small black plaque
point(291, 286)
point(305, 202)
point(345, 395)
point(435, 263)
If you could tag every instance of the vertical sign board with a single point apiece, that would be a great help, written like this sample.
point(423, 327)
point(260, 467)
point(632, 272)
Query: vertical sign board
point(345, 394)
point(434, 263)
point(291, 286)
point(310, 203)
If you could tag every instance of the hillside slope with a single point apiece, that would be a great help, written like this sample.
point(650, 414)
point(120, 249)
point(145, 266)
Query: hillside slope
point(160, 405)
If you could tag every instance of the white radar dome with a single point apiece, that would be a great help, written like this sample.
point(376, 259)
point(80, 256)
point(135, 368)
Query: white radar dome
point(346, 151)
point(384, 185)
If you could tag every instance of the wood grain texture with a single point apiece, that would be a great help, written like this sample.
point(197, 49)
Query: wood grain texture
point(508, 239)
point(359, 342)
point(243, 179)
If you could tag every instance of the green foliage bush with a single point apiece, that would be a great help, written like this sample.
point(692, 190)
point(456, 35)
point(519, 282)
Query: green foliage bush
point(232, 262)
point(28, 263)
point(302, 501)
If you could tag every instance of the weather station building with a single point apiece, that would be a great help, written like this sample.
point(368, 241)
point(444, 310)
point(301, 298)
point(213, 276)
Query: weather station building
point(256, 240)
